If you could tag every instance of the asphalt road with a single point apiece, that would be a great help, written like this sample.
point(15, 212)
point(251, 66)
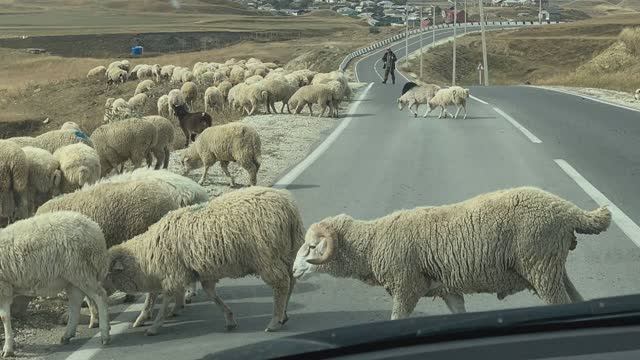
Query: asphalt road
point(386, 160)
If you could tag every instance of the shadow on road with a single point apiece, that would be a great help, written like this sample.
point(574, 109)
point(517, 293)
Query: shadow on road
point(360, 115)
point(301, 186)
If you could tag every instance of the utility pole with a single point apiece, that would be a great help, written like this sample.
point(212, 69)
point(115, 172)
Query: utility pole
point(465, 16)
point(406, 38)
point(540, 13)
point(484, 46)
point(455, 20)
point(421, 51)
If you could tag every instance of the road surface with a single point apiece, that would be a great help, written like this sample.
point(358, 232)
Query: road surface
point(386, 160)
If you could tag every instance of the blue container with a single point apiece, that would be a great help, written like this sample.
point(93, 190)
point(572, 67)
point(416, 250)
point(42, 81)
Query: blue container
point(136, 51)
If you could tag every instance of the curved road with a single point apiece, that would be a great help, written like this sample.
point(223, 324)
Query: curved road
point(385, 160)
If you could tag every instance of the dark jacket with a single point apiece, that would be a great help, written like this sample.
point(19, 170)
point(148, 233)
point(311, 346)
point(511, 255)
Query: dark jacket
point(389, 60)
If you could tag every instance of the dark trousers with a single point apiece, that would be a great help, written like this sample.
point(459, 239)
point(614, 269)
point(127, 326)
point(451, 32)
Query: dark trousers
point(390, 69)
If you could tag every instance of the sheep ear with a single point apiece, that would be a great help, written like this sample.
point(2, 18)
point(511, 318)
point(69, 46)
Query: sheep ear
point(57, 178)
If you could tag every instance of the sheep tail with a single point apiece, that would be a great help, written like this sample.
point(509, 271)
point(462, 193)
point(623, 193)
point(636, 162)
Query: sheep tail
point(593, 222)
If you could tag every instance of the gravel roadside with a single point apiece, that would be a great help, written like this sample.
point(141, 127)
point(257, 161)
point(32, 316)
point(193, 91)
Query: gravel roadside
point(286, 140)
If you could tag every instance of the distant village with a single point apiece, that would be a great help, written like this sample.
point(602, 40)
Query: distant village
point(383, 13)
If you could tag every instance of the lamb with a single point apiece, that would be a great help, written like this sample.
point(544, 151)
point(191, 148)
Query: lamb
point(14, 179)
point(213, 99)
point(80, 165)
point(499, 242)
point(144, 86)
point(137, 104)
point(129, 139)
point(454, 95)
point(190, 92)
point(97, 72)
point(45, 178)
point(144, 197)
point(45, 254)
point(312, 94)
point(207, 245)
point(165, 130)
point(192, 123)
point(225, 143)
point(278, 90)
point(115, 75)
point(54, 139)
point(417, 95)
point(167, 71)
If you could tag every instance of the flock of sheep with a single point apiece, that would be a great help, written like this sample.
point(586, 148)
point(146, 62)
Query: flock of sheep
point(72, 227)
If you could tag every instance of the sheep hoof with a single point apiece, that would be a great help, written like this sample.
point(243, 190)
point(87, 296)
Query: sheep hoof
point(138, 324)
point(106, 341)
point(64, 340)
point(151, 332)
point(64, 319)
point(230, 327)
point(415, 115)
point(188, 300)
point(8, 353)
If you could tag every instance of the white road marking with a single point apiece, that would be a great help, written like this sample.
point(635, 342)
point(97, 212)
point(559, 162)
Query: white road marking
point(292, 175)
point(628, 227)
point(478, 100)
point(375, 68)
point(522, 129)
point(589, 98)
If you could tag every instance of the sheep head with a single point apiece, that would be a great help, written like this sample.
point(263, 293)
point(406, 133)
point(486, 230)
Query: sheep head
point(190, 160)
point(318, 248)
point(401, 103)
point(124, 274)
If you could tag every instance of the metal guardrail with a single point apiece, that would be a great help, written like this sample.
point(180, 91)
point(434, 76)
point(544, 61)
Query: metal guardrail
point(377, 45)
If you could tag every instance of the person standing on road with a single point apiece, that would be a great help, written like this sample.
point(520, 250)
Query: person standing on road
point(389, 60)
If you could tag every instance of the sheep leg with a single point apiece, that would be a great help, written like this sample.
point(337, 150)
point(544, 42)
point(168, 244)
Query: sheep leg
point(93, 313)
point(455, 303)
point(187, 134)
point(273, 107)
point(429, 108)
point(465, 111)
point(310, 109)
point(159, 320)
point(190, 293)
point(75, 301)
point(458, 108)
point(204, 174)
point(5, 315)
point(160, 160)
point(252, 168)
point(178, 305)
point(280, 281)
point(147, 309)
point(574, 295)
point(167, 155)
point(415, 113)
point(225, 169)
point(209, 287)
point(550, 286)
point(99, 296)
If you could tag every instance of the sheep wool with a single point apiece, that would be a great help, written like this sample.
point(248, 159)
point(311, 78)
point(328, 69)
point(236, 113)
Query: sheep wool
point(14, 167)
point(45, 254)
point(416, 96)
point(190, 92)
point(162, 149)
point(225, 143)
point(55, 139)
point(45, 178)
point(308, 95)
point(213, 99)
point(144, 86)
point(97, 72)
point(499, 242)
point(211, 241)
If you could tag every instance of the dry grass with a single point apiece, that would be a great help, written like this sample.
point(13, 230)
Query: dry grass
point(592, 53)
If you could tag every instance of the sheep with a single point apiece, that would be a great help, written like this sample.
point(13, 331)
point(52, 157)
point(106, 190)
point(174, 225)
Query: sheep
point(278, 90)
point(14, 179)
point(325, 78)
point(115, 75)
point(192, 123)
point(225, 143)
point(219, 77)
point(187, 76)
point(417, 95)
point(167, 71)
point(54, 139)
point(312, 94)
point(213, 99)
point(176, 98)
point(236, 75)
point(80, 165)
point(45, 254)
point(45, 178)
point(250, 97)
point(636, 95)
point(129, 139)
point(123, 65)
point(339, 91)
point(161, 150)
point(133, 73)
point(144, 86)
point(224, 87)
point(163, 107)
point(454, 95)
point(206, 79)
point(143, 196)
point(70, 125)
point(137, 104)
point(253, 79)
point(156, 70)
point(297, 80)
point(176, 75)
point(207, 245)
point(119, 109)
point(499, 242)
point(97, 72)
point(190, 92)
point(144, 72)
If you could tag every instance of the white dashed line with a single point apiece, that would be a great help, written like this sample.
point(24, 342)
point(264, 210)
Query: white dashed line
point(478, 100)
point(522, 129)
point(625, 223)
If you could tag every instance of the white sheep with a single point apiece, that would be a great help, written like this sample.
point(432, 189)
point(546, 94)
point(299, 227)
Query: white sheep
point(213, 99)
point(97, 72)
point(319, 94)
point(80, 165)
point(45, 178)
point(236, 75)
point(636, 95)
point(225, 143)
point(145, 72)
point(14, 180)
point(54, 139)
point(144, 86)
point(190, 92)
point(278, 90)
point(137, 104)
point(115, 75)
point(162, 149)
point(68, 125)
point(500, 242)
point(45, 254)
point(187, 76)
point(167, 71)
point(119, 109)
point(416, 96)
point(163, 107)
point(156, 71)
point(454, 95)
point(176, 75)
point(260, 239)
point(224, 87)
